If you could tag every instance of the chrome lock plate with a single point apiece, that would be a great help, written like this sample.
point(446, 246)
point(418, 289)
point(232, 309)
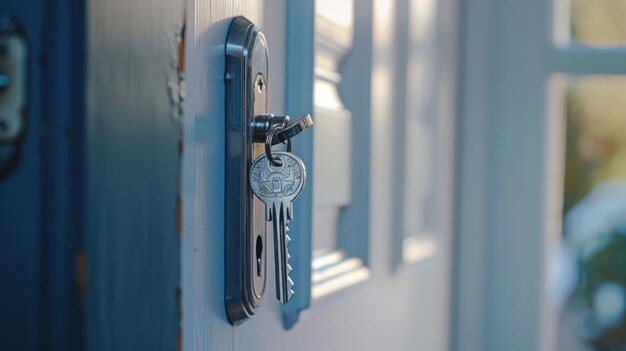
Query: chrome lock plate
point(247, 85)
point(250, 131)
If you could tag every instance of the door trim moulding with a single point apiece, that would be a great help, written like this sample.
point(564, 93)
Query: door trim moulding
point(322, 50)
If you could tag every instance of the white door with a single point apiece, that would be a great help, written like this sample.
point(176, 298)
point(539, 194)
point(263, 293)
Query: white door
point(372, 230)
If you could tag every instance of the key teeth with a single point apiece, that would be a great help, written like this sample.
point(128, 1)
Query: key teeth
point(290, 285)
point(290, 289)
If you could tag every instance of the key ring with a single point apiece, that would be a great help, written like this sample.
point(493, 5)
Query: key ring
point(274, 161)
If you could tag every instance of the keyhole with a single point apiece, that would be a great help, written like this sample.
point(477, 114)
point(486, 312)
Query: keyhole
point(259, 252)
point(260, 82)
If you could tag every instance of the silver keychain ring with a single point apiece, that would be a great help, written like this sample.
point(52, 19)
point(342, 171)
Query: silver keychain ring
point(274, 161)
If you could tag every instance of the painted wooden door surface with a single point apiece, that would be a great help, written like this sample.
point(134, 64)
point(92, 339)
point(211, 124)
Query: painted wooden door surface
point(400, 300)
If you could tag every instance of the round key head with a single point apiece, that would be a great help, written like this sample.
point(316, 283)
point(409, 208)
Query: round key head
point(272, 183)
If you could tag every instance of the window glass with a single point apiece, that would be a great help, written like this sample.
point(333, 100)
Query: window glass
point(596, 135)
point(598, 22)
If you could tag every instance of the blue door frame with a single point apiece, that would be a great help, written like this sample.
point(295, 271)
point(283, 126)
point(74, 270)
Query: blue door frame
point(89, 216)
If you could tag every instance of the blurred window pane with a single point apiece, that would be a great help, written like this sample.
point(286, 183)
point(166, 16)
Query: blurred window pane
point(598, 22)
point(596, 135)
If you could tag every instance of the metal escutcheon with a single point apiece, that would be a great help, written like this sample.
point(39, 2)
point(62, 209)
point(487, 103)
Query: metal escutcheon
point(248, 124)
point(246, 80)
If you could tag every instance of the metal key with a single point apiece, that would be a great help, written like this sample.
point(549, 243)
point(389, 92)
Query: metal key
point(278, 187)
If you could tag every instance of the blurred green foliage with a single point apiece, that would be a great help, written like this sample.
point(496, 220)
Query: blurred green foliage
point(596, 308)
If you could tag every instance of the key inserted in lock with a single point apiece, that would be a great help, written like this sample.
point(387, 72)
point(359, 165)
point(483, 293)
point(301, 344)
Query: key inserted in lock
point(249, 131)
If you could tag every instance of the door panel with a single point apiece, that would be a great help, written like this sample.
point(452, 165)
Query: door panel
point(402, 309)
